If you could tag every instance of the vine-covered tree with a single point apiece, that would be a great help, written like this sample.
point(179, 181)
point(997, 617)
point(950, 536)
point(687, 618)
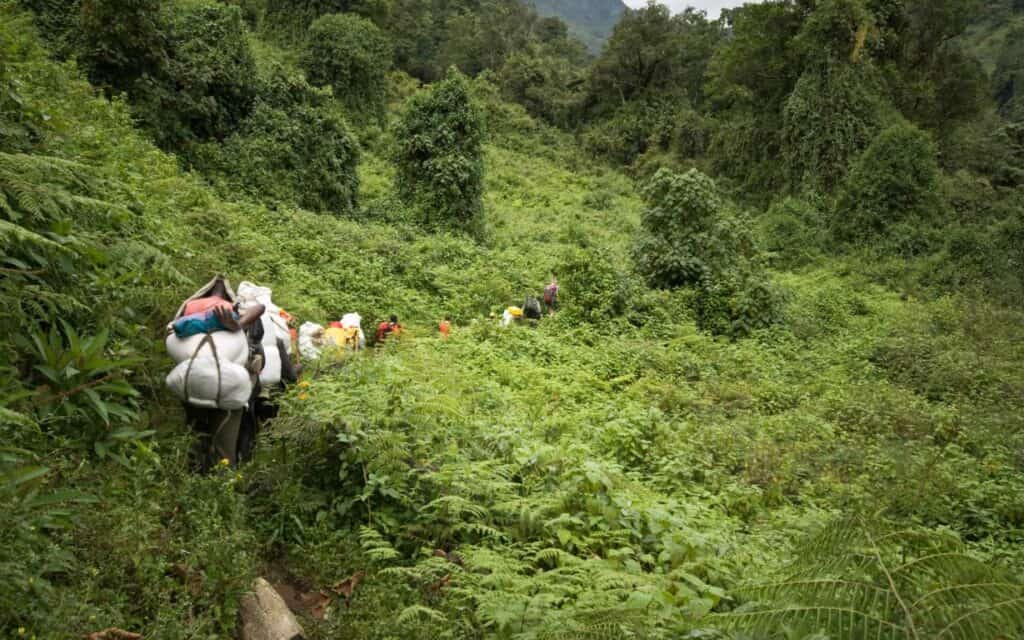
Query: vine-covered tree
point(121, 41)
point(350, 54)
point(688, 238)
point(211, 82)
point(305, 154)
point(835, 107)
point(895, 180)
point(439, 154)
point(1008, 77)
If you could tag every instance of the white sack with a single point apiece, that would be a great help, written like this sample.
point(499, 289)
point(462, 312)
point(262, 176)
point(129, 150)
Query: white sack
point(351, 320)
point(235, 385)
point(274, 326)
point(271, 374)
point(232, 346)
point(307, 347)
point(269, 332)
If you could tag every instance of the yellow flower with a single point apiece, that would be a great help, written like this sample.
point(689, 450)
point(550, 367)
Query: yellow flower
point(238, 476)
point(224, 462)
point(303, 396)
point(304, 384)
point(21, 631)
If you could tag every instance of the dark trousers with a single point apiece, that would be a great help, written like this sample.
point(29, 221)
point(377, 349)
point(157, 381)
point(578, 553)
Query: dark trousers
point(216, 432)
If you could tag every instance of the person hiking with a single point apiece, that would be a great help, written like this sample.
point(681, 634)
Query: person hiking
point(388, 328)
point(445, 327)
point(531, 308)
point(551, 296)
point(217, 379)
point(512, 315)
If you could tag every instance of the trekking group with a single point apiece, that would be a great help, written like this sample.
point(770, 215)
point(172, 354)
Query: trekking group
point(235, 351)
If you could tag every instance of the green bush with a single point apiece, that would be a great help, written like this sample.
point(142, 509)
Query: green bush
point(793, 231)
point(601, 291)
point(439, 155)
point(187, 69)
point(305, 155)
point(688, 238)
point(679, 241)
point(122, 41)
point(830, 118)
point(896, 180)
point(632, 129)
point(350, 54)
point(211, 82)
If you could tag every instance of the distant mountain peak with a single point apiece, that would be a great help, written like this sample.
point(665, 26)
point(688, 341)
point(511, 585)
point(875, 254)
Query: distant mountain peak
point(590, 20)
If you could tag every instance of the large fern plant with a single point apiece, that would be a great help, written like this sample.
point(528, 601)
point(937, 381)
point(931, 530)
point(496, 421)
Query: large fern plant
point(859, 579)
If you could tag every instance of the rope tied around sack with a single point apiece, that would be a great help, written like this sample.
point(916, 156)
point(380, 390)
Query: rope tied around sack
point(208, 338)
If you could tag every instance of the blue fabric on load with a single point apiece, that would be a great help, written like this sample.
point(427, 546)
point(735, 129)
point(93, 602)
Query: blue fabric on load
point(197, 323)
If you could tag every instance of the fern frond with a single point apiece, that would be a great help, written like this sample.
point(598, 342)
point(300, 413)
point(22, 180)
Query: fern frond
point(843, 621)
point(1001, 618)
point(954, 595)
point(12, 231)
point(375, 546)
point(456, 507)
point(819, 590)
point(480, 529)
point(416, 612)
point(556, 557)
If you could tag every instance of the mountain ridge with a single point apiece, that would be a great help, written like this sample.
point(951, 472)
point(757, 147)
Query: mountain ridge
point(590, 20)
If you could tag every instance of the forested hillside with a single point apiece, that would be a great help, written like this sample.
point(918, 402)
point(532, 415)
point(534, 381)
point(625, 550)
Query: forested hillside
point(782, 395)
point(591, 20)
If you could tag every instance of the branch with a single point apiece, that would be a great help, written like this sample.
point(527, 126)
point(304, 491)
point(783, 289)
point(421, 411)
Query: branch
point(892, 583)
point(64, 395)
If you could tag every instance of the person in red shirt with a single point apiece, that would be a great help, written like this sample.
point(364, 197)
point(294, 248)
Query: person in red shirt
point(445, 327)
point(387, 328)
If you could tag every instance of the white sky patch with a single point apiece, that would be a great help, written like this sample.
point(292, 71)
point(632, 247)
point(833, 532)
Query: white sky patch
point(713, 7)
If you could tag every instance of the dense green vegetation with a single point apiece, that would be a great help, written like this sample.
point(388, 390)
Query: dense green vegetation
point(782, 398)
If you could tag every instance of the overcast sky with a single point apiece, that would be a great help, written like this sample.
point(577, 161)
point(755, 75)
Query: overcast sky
point(711, 6)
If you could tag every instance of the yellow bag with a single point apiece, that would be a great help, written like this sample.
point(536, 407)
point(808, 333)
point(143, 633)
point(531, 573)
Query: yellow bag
point(350, 338)
point(334, 336)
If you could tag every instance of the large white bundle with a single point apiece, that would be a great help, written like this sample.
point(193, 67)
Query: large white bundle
point(232, 346)
point(307, 346)
point(274, 326)
point(351, 320)
point(235, 385)
point(270, 334)
point(271, 374)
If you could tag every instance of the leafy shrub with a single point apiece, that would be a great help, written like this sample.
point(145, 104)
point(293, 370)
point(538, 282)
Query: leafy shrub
point(57, 21)
point(305, 155)
point(188, 69)
point(439, 154)
point(793, 231)
point(543, 82)
point(283, 86)
point(736, 303)
point(122, 41)
point(894, 181)
point(632, 129)
point(350, 54)
point(830, 117)
point(678, 245)
point(211, 85)
point(688, 239)
point(601, 291)
point(20, 122)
